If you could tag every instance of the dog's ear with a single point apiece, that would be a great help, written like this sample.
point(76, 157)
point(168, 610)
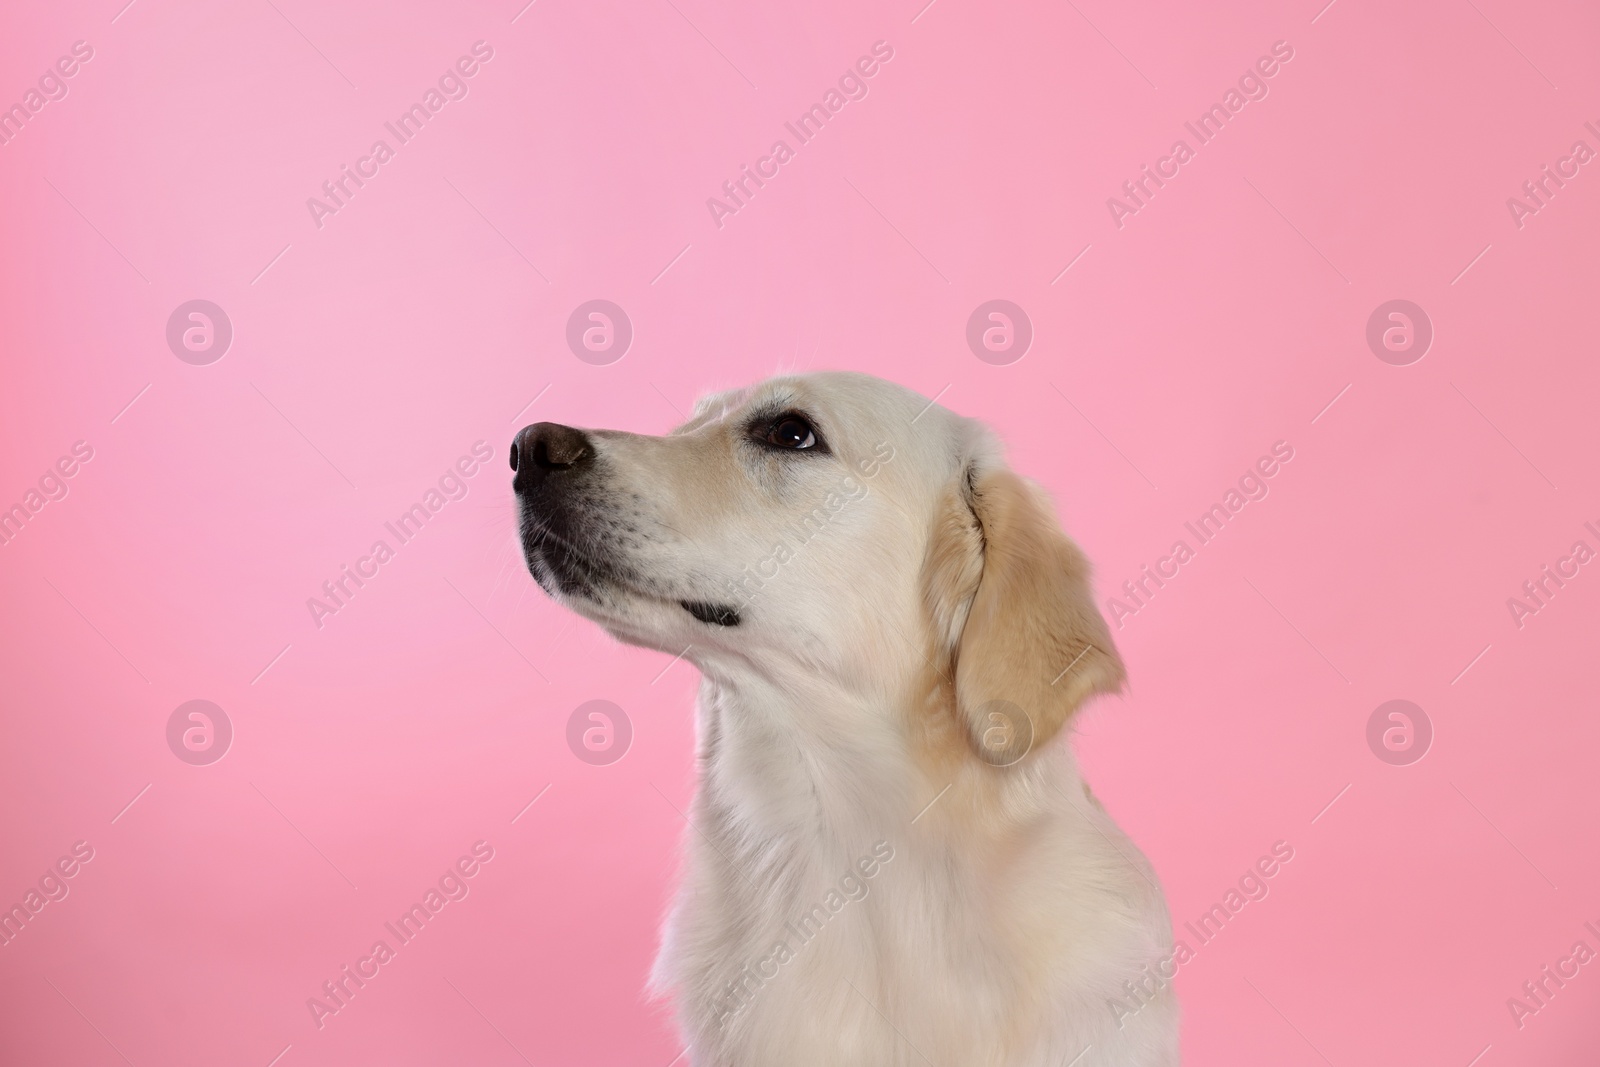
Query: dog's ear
point(1011, 607)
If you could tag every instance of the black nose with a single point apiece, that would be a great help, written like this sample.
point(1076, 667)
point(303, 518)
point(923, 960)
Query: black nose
point(547, 448)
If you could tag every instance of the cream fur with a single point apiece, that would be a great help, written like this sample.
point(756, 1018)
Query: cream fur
point(853, 711)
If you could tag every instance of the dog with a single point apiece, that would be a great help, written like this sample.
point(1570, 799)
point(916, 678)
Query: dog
point(888, 862)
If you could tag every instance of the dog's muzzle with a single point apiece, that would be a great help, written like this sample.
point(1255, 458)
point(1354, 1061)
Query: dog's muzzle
point(557, 476)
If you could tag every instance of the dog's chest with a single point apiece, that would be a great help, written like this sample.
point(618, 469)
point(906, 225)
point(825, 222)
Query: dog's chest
point(837, 961)
point(915, 952)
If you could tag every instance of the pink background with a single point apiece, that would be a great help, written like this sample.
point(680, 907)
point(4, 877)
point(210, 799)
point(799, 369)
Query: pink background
point(1226, 315)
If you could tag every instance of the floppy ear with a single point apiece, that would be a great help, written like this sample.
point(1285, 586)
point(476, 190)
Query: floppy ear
point(1032, 646)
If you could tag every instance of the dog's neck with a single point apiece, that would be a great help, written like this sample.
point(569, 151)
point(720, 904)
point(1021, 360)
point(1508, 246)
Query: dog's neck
point(792, 755)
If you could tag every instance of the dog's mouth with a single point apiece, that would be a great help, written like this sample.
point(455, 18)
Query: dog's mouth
point(562, 568)
point(714, 614)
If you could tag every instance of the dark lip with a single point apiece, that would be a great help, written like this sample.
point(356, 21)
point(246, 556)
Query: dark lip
point(714, 614)
point(553, 561)
point(556, 572)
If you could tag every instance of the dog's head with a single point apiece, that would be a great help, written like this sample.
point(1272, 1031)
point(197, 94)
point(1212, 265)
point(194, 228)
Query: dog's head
point(829, 524)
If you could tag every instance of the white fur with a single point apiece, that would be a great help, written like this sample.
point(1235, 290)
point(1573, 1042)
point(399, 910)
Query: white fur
point(1012, 912)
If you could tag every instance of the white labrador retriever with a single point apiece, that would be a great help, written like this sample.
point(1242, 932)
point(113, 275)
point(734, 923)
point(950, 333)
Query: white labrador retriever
point(889, 862)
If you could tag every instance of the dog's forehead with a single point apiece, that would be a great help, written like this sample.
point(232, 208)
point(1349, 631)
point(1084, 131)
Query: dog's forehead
point(849, 401)
point(714, 407)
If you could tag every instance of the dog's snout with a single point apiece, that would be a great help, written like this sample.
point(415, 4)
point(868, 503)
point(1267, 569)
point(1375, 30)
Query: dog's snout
point(545, 449)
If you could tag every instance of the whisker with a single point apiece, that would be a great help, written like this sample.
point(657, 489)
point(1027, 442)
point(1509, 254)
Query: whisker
point(505, 561)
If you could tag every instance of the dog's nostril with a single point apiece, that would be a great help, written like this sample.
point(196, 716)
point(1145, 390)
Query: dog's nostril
point(545, 449)
point(557, 447)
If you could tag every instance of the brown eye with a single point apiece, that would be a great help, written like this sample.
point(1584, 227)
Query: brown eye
point(791, 431)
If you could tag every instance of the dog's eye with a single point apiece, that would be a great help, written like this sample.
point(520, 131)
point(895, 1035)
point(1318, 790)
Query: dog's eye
point(791, 431)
